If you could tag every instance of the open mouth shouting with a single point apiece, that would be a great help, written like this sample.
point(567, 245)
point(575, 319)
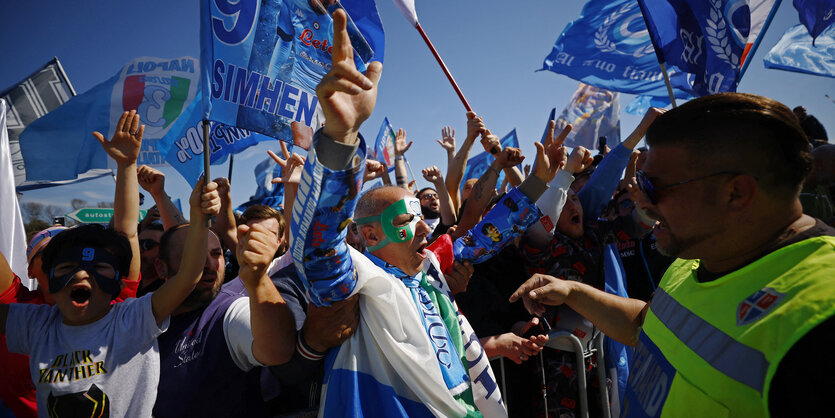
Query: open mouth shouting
point(80, 294)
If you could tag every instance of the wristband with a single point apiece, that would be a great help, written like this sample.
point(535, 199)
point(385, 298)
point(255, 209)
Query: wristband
point(305, 350)
point(399, 157)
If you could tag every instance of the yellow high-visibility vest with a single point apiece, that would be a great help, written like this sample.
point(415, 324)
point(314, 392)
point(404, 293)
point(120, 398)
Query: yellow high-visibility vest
point(711, 349)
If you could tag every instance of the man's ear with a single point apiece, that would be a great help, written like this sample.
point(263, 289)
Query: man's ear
point(371, 234)
point(161, 268)
point(741, 191)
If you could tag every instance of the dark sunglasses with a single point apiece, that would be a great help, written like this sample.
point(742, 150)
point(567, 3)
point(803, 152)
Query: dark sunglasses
point(428, 196)
point(147, 244)
point(649, 189)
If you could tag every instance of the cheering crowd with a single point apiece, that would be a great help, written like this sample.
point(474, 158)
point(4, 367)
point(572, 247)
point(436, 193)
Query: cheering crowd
point(394, 301)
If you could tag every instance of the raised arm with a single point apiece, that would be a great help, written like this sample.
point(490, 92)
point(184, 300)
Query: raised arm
point(455, 171)
point(603, 182)
point(153, 181)
point(433, 175)
point(204, 203)
point(332, 175)
point(447, 142)
point(485, 188)
point(492, 144)
point(225, 225)
point(124, 149)
point(401, 175)
point(272, 324)
point(291, 173)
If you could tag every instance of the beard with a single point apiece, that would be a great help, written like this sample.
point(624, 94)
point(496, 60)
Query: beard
point(428, 213)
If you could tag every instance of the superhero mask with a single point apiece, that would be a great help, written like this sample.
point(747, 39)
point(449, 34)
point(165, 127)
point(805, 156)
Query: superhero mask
point(407, 205)
point(87, 258)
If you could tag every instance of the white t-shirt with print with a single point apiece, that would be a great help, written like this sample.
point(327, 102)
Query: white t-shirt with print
point(109, 367)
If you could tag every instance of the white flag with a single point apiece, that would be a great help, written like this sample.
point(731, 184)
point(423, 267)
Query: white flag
point(407, 7)
point(12, 234)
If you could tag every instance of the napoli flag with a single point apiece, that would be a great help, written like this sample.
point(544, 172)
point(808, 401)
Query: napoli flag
point(60, 145)
point(262, 60)
point(815, 15)
point(796, 52)
point(609, 47)
point(266, 192)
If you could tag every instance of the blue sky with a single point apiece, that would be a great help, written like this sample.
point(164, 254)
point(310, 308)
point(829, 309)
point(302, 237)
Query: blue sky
point(492, 48)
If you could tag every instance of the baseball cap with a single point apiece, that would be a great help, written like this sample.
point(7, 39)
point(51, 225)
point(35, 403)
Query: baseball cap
point(39, 241)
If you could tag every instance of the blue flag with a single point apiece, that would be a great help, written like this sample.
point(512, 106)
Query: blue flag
point(384, 146)
point(182, 147)
point(795, 52)
point(267, 192)
point(609, 47)
point(706, 38)
point(60, 145)
point(478, 165)
point(815, 15)
point(261, 61)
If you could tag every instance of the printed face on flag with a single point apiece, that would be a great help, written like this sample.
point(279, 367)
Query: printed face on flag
point(263, 60)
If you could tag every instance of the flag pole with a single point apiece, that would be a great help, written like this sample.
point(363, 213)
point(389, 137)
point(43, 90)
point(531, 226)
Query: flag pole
point(667, 82)
point(443, 67)
point(231, 161)
point(658, 56)
point(206, 158)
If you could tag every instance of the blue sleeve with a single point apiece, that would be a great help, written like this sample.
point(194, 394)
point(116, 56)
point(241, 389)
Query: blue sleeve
point(322, 211)
point(508, 219)
point(601, 186)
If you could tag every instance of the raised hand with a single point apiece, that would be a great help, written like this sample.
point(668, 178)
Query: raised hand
point(632, 140)
point(373, 170)
point(346, 95)
point(224, 190)
point(400, 145)
point(151, 179)
point(256, 247)
point(204, 200)
point(551, 154)
point(490, 142)
point(579, 160)
point(447, 140)
point(509, 157)
point(127, 140)
point(475, 126)
point(291, 165)
point(433, 175)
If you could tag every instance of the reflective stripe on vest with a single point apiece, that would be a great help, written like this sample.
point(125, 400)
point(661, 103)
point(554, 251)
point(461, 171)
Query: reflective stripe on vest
point(736, 360)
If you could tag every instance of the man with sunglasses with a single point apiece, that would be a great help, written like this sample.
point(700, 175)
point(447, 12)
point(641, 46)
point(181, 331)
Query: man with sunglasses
point(148, 252)
point(748, 306)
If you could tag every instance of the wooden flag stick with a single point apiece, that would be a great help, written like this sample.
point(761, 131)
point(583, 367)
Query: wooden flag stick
point(444, 67)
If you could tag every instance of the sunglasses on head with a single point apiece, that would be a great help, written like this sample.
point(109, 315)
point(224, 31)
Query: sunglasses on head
point(651, 190)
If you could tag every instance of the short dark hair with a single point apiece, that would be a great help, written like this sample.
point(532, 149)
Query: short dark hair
point(728, 131)
point(164, 252)
point(94, 235)
point(260, 211)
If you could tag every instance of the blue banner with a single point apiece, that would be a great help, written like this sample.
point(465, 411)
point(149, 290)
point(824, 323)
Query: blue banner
point(815, 15)
point(795, 52)
point(261, 61)
point(706, 38)
point(266, 192)
point(384, 146)
point(609, 47)
point(60, 145)
point(182, 147)
point(478, 165)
